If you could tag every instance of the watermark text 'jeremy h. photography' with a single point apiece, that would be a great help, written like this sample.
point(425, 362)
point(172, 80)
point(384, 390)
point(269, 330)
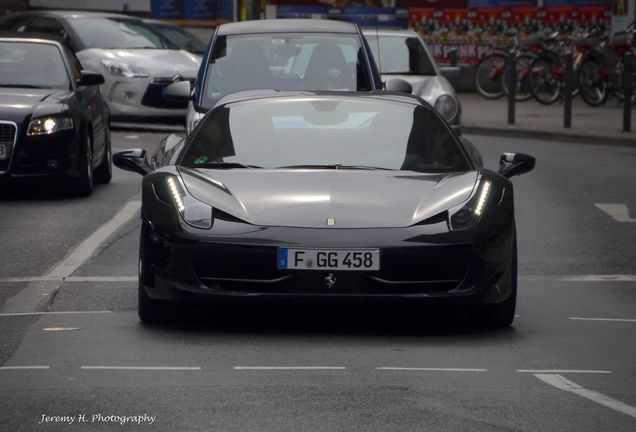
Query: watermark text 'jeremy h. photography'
point(98, 418)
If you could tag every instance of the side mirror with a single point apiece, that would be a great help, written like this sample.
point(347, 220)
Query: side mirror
point(89, 78)
point(511, 164)
point(450, 71)
point(135, 160)
point(179, 91)
point(398, 85)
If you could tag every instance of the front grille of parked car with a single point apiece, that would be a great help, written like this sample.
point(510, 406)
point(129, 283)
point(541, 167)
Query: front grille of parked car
point(7, 138)
point(402, 271)
point(154, 94)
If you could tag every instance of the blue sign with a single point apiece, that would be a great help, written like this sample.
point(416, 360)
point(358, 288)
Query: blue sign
point(167, 9)
point(199, 9)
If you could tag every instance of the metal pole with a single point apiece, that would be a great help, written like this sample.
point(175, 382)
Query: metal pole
point(567, 118)
point(628, 90)
point(511, 68)
point(452, 57)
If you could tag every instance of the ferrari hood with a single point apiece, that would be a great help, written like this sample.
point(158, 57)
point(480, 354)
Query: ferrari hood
point(157, 62)
point(307, 198)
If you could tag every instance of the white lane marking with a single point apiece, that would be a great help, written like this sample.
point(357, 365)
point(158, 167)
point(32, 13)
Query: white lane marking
point(289, 368)
point(604, 319)
point(619, 212)
point(23, 367)
point(561, 383)
point(53, 313)
point(560, 371)
point(88, 247)
point(431, 369)
point(599, 278)
point(131, 137)
point(32, 296)
point(149, 368)
point(56, 329)
point(18, 279)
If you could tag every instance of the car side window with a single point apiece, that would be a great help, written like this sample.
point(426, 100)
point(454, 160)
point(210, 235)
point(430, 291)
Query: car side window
point(47, 25)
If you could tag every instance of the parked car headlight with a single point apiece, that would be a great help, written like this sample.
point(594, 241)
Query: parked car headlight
point(124, 69)
point(48, 125)
point(194, 212)
point(446, 105)
point(467, 215)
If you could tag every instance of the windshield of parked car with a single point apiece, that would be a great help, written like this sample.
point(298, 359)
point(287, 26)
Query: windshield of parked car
point(117, 33)
point(325, 132)
point(180, 38)
point(401, 55)
point(32, 65)
point(285, 62)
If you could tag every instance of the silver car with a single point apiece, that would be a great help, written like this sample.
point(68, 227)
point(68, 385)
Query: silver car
point(403, 54)
point(137, 61)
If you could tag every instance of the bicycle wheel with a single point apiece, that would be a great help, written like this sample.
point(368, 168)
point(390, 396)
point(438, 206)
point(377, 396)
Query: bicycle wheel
point(545, 80)
point(522, 91)
point(488, 76)
point(592, 84)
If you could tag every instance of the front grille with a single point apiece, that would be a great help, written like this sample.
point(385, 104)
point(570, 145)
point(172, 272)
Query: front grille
point(403, 271)
point(8, 132)
point(154, 94)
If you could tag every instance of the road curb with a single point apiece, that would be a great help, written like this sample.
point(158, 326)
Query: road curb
point(570, 137)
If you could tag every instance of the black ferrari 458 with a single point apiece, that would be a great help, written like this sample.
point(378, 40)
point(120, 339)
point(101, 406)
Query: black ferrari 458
point(311, 195)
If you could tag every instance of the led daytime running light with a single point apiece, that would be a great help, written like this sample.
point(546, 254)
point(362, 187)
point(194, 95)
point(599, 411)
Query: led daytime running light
point(176, 196)
point(483, 196)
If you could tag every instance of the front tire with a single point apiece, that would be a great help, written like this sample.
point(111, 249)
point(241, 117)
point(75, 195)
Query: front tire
point(152, 311)
point(83, 185)
point(104, 172)
point(503, 314)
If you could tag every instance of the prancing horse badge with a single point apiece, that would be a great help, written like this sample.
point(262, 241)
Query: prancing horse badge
point(330, 280)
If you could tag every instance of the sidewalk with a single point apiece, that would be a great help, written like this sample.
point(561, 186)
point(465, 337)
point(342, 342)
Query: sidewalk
point(601, 125)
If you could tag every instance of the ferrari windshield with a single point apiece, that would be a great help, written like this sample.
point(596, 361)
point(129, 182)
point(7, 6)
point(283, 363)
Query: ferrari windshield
point(292, 61)
point(117, 33)
point(324, 132)
point(404, 55)
point(32, 65)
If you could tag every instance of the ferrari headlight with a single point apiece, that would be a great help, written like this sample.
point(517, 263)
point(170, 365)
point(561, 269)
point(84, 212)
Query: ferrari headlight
point(49, 125)
point(468, 215)
point(124, 69)
point(446, 105)
point(194, 212)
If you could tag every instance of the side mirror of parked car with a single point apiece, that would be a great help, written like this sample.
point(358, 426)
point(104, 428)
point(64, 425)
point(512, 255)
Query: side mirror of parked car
point(88, 78)
point(450, 71)
point(398, 85)
point(135, 160)
point(178, 91)
point(511, 164)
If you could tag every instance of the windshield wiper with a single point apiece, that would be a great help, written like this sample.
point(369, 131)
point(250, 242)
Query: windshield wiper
point(224, 165)
point(335, 166)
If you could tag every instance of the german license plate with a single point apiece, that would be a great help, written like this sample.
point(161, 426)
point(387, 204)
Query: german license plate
point(329, 259)
point(3, 151)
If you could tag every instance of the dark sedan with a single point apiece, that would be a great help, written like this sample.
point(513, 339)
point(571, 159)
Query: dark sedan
point(53, 120)
point(340, 196)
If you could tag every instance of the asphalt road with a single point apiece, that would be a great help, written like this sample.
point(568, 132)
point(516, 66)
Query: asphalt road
point(567, 364)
